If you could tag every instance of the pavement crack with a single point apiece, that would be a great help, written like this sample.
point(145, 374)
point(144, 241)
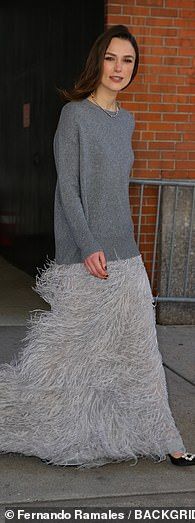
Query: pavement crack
point(178, 374)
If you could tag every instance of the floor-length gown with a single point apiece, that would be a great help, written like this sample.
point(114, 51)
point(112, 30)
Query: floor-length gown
point(88, 386)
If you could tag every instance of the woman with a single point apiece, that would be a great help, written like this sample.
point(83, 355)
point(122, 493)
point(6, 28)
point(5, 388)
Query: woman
point(89, 386)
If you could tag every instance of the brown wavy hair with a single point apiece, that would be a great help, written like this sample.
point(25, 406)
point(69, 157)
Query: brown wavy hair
point(90, 76)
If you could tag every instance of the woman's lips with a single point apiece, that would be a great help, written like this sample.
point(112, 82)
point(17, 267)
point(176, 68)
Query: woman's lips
point(117, 80)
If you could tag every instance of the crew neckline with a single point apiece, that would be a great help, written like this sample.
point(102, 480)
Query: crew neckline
point(107, 110)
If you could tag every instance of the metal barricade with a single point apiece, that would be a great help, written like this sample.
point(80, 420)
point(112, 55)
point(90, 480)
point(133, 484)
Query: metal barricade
point(142, 183)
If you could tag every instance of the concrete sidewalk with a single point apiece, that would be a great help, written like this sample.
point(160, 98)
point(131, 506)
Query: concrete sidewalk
point(27, 481)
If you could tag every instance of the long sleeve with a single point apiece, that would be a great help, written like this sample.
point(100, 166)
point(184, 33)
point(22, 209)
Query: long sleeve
point(66, 154)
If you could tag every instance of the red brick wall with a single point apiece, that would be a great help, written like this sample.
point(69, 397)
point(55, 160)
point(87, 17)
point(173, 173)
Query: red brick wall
point(162, 94)
point(161, 97)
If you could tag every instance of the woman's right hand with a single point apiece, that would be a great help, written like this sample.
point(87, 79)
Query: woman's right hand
point(96, 264)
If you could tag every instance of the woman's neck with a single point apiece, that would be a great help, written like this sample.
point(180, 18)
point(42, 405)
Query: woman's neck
point(109, 104)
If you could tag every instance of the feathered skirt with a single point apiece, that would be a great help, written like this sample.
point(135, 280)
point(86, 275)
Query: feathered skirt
point(87, 386)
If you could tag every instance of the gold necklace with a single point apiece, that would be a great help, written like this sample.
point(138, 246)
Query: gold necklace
point(115, 113)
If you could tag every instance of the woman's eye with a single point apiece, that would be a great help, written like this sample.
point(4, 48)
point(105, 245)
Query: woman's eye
point(111, 58)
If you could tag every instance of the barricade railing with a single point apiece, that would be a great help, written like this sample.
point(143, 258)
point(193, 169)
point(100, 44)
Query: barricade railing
point(142, 183)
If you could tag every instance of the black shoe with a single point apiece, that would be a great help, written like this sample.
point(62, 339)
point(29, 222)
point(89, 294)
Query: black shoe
point(185, 459)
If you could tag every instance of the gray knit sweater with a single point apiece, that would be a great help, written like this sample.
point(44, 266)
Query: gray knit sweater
point(93, 157)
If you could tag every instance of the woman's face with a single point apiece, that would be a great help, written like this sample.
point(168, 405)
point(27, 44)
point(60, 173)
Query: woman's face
point(119, 61)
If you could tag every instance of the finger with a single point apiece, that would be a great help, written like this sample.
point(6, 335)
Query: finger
point(94, 270)
point(88, 269)
point(98, 266)
point(98, 263)
point(103, 260)
point(93, 262)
